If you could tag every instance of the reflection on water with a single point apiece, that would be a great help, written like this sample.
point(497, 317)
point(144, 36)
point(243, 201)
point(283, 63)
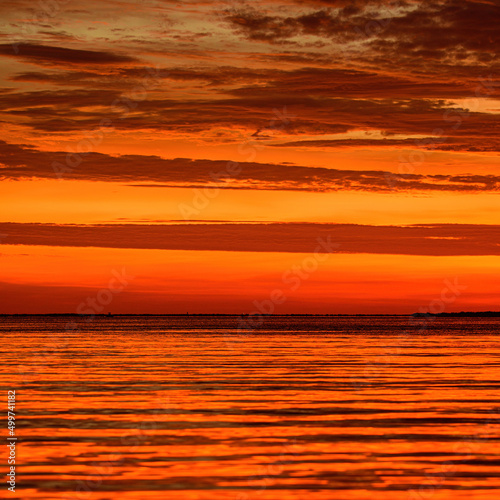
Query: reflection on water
point(299, 408)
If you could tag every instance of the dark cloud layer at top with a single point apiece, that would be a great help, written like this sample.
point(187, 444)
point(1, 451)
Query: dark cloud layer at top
point(439, 40)
point(412, 63)
point(424, 26)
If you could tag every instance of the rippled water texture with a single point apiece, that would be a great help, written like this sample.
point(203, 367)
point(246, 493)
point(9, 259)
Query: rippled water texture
point(298, 408)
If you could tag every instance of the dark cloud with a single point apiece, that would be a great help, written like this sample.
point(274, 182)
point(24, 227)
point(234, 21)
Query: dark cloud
point(343, 24)
point(344, 83)
point(442, 143)
point(28, 102)
point(354, 4)
point(121, 77)
point(437, 239)
point(252, 108)
point(45, 54)
point(25, 162)
point(422, 36)
point(322, 100)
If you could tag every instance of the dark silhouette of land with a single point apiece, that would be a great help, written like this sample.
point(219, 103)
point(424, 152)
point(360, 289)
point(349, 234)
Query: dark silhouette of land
point(462, 314)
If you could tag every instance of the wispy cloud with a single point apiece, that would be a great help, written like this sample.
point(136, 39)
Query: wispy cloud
point(24, 162)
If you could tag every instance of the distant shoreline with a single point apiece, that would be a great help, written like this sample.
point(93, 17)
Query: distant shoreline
point(463, 314)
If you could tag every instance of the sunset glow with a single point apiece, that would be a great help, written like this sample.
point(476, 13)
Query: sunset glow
point(206, 147)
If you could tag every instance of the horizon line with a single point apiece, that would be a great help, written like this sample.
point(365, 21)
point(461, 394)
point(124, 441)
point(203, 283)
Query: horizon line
point(107, 315)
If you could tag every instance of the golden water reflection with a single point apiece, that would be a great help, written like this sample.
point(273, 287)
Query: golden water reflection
point(188, 408)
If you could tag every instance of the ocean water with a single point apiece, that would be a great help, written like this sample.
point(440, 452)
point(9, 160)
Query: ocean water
point(293, 408)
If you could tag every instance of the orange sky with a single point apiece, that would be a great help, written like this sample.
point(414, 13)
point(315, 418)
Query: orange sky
point(244, 133)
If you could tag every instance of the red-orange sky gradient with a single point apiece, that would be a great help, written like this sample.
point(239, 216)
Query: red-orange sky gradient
point(341, 155)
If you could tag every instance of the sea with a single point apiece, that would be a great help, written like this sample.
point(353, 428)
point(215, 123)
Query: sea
point(250, 408)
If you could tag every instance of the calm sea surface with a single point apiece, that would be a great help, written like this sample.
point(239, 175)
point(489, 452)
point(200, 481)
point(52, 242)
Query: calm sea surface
point(295, 408)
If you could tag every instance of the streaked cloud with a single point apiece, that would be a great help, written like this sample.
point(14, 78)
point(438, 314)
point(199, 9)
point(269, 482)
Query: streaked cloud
point(436, 240)
point(24, 162)
point(45, 54)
